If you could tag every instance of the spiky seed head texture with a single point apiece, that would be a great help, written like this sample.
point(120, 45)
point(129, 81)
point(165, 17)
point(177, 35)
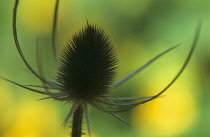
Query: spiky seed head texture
point(88, 64)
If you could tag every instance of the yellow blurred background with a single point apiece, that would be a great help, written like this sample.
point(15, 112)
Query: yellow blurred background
point(140, 30)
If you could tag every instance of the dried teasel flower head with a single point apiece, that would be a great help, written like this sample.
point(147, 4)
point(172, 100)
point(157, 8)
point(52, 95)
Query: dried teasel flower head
point(88, 64)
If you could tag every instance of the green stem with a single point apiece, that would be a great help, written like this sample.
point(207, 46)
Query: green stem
point(77, 122)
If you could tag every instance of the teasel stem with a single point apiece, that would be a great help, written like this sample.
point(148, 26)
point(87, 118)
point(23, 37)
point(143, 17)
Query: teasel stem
point(77, 122)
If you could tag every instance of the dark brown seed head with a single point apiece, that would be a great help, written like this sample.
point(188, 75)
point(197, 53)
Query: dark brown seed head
point(88, 64)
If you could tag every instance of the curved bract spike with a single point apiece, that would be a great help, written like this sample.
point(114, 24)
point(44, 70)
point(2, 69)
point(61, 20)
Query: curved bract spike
point(56, 97)
point(67, 99)
point(49, 82)
point(120, 104)
point(113, 114)
point(99, 106)
point(54, 84)
point(43, 87)
point(45, 98)
point(195, 41)
point(54, 30)
point(128, 99)
point(40, 68)
point(37, 91)
point(39, 65)
point(18, 45)
point(142, 67)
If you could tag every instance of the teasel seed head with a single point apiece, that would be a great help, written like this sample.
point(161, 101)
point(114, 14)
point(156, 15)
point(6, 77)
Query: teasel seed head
point(88, 64)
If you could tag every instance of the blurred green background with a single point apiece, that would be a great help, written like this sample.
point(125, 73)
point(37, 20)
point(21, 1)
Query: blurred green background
point(140, 29)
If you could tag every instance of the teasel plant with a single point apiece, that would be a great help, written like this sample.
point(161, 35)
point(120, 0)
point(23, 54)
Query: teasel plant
point(86, 68)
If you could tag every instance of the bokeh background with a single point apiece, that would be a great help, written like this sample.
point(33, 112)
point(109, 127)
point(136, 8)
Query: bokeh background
point(140, 29)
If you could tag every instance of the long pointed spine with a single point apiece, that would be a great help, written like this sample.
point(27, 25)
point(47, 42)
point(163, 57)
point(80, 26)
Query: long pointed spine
point(55, 18)
point(14, 26)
